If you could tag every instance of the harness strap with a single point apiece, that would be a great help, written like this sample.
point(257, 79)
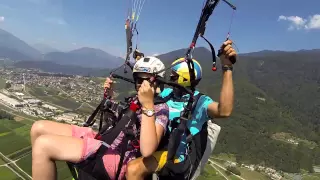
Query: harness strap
point(124, 148)
point(177, 133)
point(73, 171)
point(128, 117)
point(90, 121)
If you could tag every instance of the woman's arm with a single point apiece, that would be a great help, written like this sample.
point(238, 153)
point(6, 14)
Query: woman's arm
point(150, 134)
point(152, 127)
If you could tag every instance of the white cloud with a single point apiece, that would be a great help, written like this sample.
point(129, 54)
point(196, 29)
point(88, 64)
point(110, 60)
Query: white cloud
point(74, 44)
point(296, 22)
point(1, 18)
point(314, 22)
point(57, 21)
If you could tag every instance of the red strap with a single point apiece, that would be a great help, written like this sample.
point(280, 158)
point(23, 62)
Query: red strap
point(136, 145)
point(134, 107)
point(98, 137)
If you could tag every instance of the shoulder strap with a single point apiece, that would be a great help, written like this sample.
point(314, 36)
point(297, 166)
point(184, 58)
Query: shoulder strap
point(160, 100)
point(195, 102)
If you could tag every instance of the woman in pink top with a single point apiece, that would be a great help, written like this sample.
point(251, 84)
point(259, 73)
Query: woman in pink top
point(52, 141)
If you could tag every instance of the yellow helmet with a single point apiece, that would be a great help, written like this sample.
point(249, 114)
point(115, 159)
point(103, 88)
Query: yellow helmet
point(183, 71)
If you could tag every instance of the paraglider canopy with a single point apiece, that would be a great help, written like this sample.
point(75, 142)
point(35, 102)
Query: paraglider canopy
point(131, 28)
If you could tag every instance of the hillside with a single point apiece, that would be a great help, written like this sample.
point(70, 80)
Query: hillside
point(11, 42)
point(56, 68)
point(85, 57)
point(44, 48)
point(12, 54)
point(13, 48)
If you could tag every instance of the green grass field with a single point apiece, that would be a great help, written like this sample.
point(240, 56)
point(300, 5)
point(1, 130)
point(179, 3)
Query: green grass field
point(230, 177)
point(17, 140)
point(1, 162)
point(3, 130)
point(15, 135)
point(24, 131)
point(12, 142)
point(85, 109)
point(7, 174)
point(25, 164)
point(17, 113)
point(63, 171)
point(210, 173)
point(42, 91)
point(314, 176)
point(11, 124)
point(51, 95)
point(226, 157)
point(2, 83)
point(247, 174)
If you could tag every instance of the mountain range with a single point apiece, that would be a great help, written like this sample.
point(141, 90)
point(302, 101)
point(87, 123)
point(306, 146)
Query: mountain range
point(44, 48)
point(13, 48)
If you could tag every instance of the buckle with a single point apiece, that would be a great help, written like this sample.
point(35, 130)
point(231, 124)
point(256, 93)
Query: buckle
point(183, 118)
point(98, 137)
point(135, 143)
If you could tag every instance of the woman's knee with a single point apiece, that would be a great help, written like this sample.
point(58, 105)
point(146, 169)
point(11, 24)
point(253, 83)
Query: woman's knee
point(41, 146)
point(38, 127)
point(135, 167)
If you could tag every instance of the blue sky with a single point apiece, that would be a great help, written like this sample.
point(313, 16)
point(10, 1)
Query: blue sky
point(164, 25)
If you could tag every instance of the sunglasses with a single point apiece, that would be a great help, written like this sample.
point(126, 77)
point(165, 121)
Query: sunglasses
point(139, 80)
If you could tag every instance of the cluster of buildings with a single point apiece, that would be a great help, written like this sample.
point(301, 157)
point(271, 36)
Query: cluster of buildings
point(27, 104)
point(73, 118)
point(14, 95)
point(272, 173)
point(36, 108)
point(78, 87)
point(10, 101)
point(70, 118)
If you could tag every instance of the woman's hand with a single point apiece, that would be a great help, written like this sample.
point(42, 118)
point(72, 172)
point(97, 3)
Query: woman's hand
point(108, 85)
point(146, 95)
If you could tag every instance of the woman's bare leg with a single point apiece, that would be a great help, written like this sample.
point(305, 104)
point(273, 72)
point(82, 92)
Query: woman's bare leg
point(49, 148)
point(44, 127)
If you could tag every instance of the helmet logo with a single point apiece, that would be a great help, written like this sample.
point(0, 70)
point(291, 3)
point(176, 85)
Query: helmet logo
point(146, 59)
point(143, 69)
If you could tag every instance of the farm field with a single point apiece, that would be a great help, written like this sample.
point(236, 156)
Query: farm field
point(15, 135)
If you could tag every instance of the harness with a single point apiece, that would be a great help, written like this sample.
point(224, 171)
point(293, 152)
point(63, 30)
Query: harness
point(114, 119)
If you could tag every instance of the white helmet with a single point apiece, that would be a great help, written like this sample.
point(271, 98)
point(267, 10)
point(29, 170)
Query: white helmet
point(150, 65)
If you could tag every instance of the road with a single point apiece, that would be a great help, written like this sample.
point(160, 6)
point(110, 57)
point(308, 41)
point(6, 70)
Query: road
point(212, 162)
point(22, 156)
point(15, 172)
point(219, 171)
point(10, 163)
